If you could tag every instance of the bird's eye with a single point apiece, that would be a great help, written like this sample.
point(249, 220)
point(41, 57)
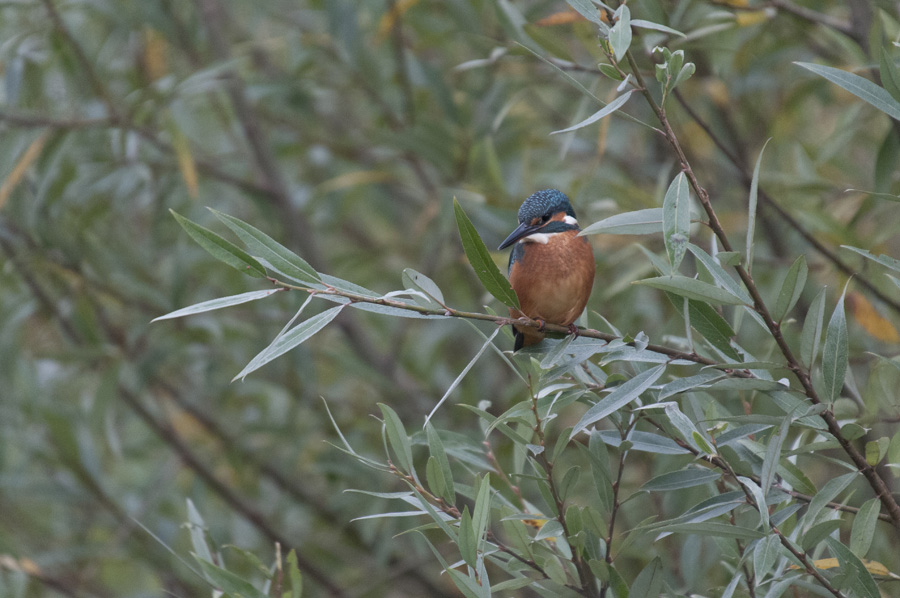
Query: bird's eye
point(545, 218)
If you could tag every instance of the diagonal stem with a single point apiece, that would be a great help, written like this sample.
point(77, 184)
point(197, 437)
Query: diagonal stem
point(874, 479)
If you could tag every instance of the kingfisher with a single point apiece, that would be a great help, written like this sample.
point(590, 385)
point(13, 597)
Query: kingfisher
point(551, 268)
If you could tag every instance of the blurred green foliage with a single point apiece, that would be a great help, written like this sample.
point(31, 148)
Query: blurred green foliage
point(343, 129)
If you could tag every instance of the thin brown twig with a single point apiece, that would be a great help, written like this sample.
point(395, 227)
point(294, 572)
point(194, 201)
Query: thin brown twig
point(674, 354)
point(616, 486)
point(585, 576)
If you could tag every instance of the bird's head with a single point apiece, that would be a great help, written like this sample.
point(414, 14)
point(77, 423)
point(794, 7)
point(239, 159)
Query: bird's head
point(544, 212)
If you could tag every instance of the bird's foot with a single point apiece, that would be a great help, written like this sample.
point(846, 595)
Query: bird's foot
point(541, 324)
point(573, 330)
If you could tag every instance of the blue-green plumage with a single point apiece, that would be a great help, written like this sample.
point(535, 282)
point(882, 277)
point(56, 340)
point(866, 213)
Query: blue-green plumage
point(551, 268)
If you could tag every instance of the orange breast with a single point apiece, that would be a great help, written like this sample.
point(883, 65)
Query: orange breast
point(553, 280)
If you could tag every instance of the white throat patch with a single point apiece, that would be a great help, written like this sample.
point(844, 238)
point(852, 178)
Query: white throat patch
point(542, 238)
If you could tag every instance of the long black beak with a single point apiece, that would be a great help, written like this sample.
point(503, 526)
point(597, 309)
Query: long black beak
point(523, 230)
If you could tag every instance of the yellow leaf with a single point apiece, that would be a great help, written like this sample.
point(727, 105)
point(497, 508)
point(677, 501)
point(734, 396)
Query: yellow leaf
point(25, 565)
point(717, 91)
point(537, 523)
point(390, 18)
point(154, 57)
point(15, 177)
point(877, 569)
point(870, 320)
point(354, 179)
point(186, 163)
point(825, 564)
point(753, 17)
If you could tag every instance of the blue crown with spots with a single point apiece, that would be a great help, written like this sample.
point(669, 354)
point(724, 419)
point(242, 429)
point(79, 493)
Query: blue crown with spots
point(546, 201)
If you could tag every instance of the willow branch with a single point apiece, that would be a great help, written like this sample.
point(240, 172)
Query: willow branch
point(769, 202)
point(874, 479)
point(449, 312)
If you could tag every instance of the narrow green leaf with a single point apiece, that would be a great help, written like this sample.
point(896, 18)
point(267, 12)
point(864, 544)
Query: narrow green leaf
point(589, 11)
point(677, 219)
point(812, 330)
point(701, 380)
point(886, 160)
point(706, 320)
point(876, 450)
point(773, 455)
point(197, 529)
point(894, 448)
point(294, 575)
point(858, 86)
point(639, 222)
point(619, 397)
point(642, 24)
point(860, 580)
point(762, 507)
point(610, 71)
point(435, 477)
point(751, 211)
point(791, 288)
point(398, 438)
point(765, 553)
point(682, 423)
point(875, 194)
point(692, 289)
point(649, 581)
point(645, 442)
point(436, 448)
point(819, 532)
point(890, 76)
point(569, 481)
point(485, 268)
point(712, 529)
point(551, 529)
point(828, 493)
point(220, 248)
point(884, 260)
point(468, 543)
point(620, 32)
point(219, 303)
point(263, 246)
point(714, 328)
point(603, 480)
point(517, 535)
point(289, 340)
point(729, 258)
point(686, 72)
point(864, 527)
point(481, 515)
point(732, 585)
point(419, 282)
point(722, 278)
point(605, 111)
point(835, 355)
point(227, 581)
point(686, 478)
